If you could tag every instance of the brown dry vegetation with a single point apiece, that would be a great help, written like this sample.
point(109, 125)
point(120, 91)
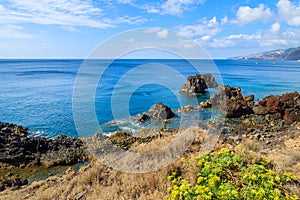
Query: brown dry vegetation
point(97, 181)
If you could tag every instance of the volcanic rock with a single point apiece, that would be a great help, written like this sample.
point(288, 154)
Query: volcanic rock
point(160, 111)
point(198, 83)
point(287, 106)
point(8, 182)
point(17, 149)
point(142, 118)
point(231, 102)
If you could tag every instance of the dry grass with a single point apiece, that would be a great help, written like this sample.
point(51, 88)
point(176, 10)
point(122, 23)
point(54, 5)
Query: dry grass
point(251, 145)
point(97, 181)
point(296, 155)
point(152, 146)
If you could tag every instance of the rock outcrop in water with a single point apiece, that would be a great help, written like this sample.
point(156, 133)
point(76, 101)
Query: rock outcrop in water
point(17, 149)
point(198, 83)
point(160, 111)
point(157, 112)
point(231, 102)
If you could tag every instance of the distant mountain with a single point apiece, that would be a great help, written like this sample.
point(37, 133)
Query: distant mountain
point(280, 54)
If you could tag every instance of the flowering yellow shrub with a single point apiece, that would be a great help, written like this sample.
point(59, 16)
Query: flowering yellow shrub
point(224, 175)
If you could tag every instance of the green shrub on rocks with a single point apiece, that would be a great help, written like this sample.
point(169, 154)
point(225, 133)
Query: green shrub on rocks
point(225, 175)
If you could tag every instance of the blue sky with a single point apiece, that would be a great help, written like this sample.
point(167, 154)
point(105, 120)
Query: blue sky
point(73, 28)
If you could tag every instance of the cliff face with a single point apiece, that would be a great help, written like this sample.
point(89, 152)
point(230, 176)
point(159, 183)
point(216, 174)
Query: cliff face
point(280, 54)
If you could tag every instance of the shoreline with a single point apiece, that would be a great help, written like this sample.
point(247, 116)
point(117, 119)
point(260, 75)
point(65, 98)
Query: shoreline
point(232, 134)
point(269, 127)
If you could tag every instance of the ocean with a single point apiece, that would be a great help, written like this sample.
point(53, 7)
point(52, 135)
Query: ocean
point(40, 94)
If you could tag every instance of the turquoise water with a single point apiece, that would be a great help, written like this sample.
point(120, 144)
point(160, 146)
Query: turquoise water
point(38, 93)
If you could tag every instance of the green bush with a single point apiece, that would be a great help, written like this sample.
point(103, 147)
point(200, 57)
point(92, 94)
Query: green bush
point(224, 175)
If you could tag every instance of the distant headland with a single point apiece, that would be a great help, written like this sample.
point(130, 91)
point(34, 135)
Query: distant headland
point(279, 54)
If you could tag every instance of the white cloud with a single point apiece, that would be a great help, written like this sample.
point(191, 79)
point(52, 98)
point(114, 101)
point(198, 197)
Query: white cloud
point(205, 37)
point(246, 15)
point(166, 7)
point(162, 34)
point(224, 20)
point(288, 12)
point(59, 12)
point(127, 20)
point(187, 44)
point(67, 14)
point(177, 7)
point(12, 31)
point(52, 12)
point(261, 39)
point(125, 1)
point(275, 27)
point(150, 9)
point(152, 30)
point(204, 28)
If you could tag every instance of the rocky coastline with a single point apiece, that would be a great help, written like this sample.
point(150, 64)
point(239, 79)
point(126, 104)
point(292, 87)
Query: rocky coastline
point(272, 125)
point(18, 150)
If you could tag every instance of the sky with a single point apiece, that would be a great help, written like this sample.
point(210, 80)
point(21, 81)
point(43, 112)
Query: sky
point(73, 28)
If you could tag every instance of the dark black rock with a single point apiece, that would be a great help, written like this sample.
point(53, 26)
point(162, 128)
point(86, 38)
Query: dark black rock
point(16, 148)
point(142, 118)
point(231, 102)
point(8, 182)
point(198, 83)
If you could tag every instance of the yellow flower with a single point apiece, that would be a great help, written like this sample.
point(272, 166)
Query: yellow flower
point(199, 180)
point(234, 193)
point(254, 177)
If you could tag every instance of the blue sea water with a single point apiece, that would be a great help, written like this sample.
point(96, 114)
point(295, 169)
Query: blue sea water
point(39, 93)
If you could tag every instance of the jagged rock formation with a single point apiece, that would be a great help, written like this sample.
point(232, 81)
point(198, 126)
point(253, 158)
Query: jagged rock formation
point(19, 150)
point(231, 102)
point(271, 114)
point(286, 107)
point(157, 112)
point(160, 111)
point(198, 83)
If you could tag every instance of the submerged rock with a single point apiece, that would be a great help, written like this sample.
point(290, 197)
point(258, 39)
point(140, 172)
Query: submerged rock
point(19, 150)
point(188, 108)
point(198, 83)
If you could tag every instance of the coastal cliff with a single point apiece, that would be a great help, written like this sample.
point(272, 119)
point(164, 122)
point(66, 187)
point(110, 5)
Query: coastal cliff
point(280, 54)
